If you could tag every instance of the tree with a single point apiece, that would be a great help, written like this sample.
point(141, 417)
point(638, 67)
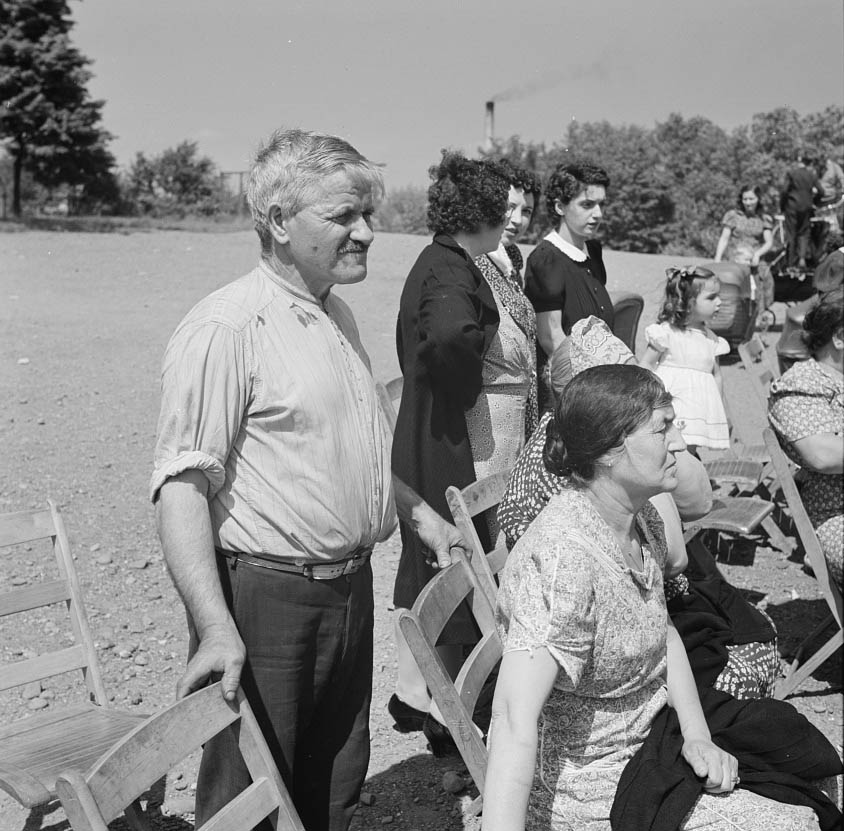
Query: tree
point(640, 206)
point(177, 181)
point(48, 122)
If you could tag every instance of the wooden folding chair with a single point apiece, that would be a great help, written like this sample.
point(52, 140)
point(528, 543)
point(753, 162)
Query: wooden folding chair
point(472, 500)
point(801, 670)
point(388, 395)
point(627, 309)
point(759, 371)
point(746, 465)
point(95, 798)
point(742, 516)
point(34, 750)
point(456, 700)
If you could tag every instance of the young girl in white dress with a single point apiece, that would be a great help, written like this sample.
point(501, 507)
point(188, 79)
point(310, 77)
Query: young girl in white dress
point(683, 352)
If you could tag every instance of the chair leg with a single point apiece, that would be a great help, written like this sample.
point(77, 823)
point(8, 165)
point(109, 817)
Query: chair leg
point(789, 684)
point(807, 641)
point(476, 807)
point(777, 538)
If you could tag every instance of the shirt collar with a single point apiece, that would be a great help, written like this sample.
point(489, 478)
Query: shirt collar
point(299, 292)
point(567, 248)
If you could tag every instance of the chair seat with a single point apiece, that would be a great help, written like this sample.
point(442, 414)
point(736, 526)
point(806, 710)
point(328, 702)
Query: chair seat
point(738, 471)
point(34, 751)
point(740, 515)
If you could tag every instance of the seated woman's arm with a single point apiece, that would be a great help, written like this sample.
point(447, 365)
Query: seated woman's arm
point(693, 494)
point(709, 762)
point(822, 452)
point(524, 683)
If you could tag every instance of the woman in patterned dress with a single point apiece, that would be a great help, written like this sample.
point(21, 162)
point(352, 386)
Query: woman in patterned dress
point(589, 652)
point(747, 235)
point(806, 409)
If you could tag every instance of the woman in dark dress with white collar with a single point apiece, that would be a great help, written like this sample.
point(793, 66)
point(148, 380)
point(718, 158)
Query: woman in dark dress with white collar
point(565, 278)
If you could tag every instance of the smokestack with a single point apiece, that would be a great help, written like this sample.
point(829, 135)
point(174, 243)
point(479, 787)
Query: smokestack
point(489, 125)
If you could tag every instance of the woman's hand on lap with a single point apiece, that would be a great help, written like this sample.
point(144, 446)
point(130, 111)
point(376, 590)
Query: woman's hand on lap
point(718, 768)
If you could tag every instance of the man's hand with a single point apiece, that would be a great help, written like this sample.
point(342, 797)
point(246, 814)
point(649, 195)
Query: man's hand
point(441, 539)
point(220, 651)
point(717, 767)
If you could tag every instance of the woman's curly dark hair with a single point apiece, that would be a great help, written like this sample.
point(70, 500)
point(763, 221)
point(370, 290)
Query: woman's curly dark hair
point(598, 409)
point(466, 195)
point(681, 288)
point(758, 192)
point(569, 179)
point(521, 177)
point(824, 320)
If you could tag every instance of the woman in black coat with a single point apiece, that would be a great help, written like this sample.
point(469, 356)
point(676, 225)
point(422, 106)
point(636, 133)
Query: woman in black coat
point(448, 324)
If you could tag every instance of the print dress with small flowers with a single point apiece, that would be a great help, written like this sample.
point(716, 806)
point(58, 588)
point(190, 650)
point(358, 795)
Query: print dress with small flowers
point(566, 588)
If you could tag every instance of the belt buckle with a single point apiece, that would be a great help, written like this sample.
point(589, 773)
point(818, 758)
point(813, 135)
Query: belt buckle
point(349, 566)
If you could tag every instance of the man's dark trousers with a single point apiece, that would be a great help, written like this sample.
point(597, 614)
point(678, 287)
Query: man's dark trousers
point(308, 677)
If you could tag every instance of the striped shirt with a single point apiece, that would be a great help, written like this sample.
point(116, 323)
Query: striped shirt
point(269, 393)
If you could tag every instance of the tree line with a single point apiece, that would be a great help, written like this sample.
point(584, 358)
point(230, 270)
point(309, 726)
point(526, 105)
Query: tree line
point(671, 184)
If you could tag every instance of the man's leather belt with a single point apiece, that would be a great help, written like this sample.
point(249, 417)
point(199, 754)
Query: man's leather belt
point(313, 571)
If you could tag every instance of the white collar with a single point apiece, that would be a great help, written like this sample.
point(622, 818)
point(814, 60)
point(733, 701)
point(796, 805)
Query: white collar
point(567, 248)
point(502, 259)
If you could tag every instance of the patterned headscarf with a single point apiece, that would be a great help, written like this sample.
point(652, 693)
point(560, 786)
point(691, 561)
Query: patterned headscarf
point(591, 343)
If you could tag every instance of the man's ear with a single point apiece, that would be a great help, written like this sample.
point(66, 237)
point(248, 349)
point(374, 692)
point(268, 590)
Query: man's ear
point(278, 225)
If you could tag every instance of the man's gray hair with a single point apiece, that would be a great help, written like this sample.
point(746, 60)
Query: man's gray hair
point(288, 165)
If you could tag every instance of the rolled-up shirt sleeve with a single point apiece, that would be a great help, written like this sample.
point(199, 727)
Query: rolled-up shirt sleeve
point(206, 387)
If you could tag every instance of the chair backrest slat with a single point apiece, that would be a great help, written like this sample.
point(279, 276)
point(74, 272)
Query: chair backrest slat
point(140, 759)
point(33, 597)
point(124, 773)
point(477, 668)
point(43, 666)
point(29, 526)
point(467, 503)
point(811, 544)
point(421, 626)
point(25, 526)
point(246, 810)
point(439, 599)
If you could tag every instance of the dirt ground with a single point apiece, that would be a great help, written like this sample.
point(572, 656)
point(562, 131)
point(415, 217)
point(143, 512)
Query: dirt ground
point(84, 319)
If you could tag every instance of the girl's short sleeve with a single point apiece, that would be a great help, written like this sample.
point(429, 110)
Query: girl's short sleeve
point(721, 347)
point(730, 220)
point(767, 222)
point(657, 336)
point(548, 596)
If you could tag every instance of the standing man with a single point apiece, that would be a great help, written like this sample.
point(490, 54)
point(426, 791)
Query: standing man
point(797, 198)
point(272, 483)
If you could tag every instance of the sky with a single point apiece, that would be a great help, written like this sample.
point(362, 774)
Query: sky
point(401, 79)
